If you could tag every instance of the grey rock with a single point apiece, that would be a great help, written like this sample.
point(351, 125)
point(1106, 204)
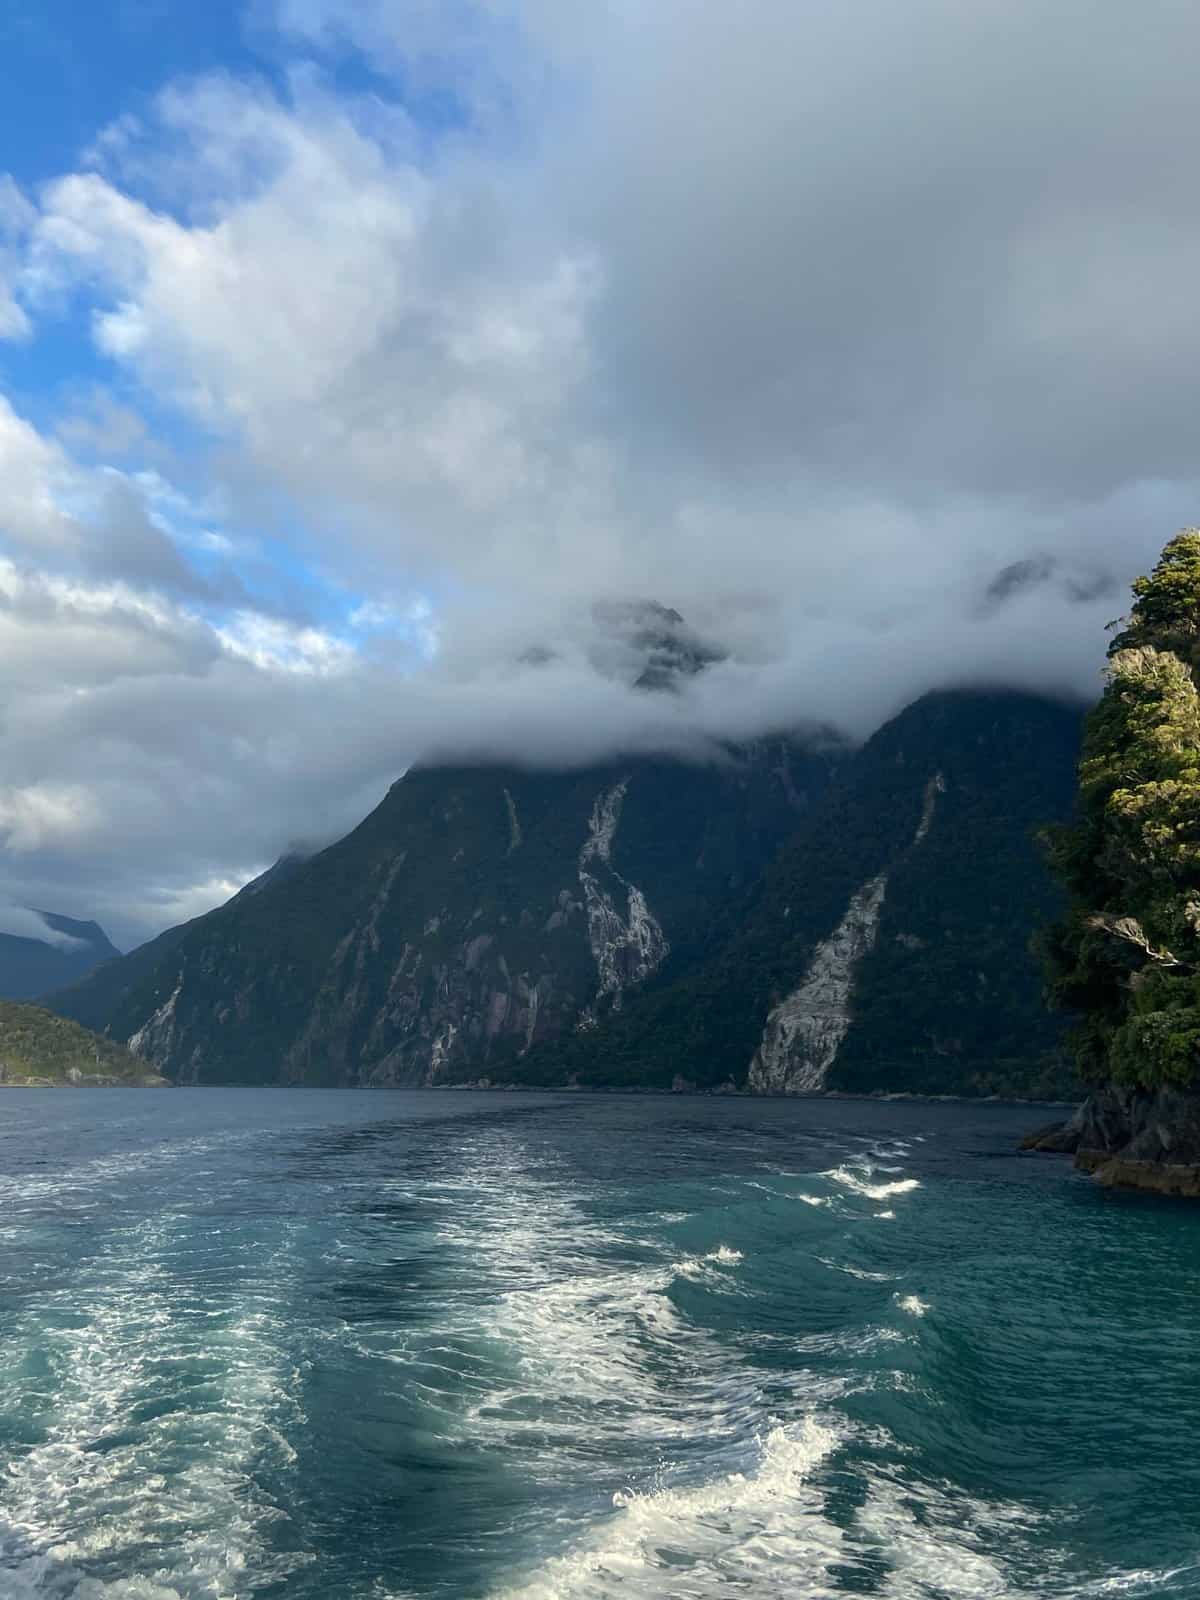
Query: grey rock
point(1133, 1138)
point(1056, 1138)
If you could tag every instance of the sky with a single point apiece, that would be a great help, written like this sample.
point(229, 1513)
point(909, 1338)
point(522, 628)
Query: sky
point(359, 362)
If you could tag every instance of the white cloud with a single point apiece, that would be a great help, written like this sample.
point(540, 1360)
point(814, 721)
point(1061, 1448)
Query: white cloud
point(806, 320)
point(373, 340)
point(43, 816)
point(22, 923)
point(30, 468)
point(273, 645)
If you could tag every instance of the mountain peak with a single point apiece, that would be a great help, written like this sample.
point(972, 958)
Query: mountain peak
point(44, 950)
point(651, 644)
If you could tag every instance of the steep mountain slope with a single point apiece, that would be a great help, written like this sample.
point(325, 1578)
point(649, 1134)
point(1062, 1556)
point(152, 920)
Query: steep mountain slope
point(105, 991)
point(476, 913)
point(38, 1048)
point(29, 967)
point(887, 947)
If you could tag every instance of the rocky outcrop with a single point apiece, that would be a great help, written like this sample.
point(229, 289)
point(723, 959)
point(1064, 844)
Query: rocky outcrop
point(1132, 1139)
point(804, 1032)
point(1055, 1138)
point(153, 1040)
point(1157, 1177)
point(469, 992)
point(627, 946)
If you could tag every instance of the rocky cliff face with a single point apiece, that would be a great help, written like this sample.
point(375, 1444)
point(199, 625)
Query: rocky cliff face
point(804, 1032)
point(1132, 1139)
point(626, 940)
point(887, 944)
point(477, 915)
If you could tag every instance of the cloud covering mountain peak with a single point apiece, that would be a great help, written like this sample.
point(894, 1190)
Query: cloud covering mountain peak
point(859, 336)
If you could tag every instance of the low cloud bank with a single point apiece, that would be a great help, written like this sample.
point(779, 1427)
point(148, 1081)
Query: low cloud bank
point(22, 923)
point(863, 337)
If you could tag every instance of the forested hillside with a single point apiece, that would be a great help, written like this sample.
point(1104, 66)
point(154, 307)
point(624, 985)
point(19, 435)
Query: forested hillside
point(1127, 956)
point(476, 913)
point(942, 994)
point(39, 1048)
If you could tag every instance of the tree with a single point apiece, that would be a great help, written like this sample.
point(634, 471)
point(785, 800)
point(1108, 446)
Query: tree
point(1166, 610)
point(1127, 956)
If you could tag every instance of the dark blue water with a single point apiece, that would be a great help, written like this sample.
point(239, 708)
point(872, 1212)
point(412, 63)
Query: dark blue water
point(379, 1346)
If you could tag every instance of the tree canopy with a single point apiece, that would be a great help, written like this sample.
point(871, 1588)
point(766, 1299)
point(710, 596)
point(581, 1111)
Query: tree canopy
point(1127, 956)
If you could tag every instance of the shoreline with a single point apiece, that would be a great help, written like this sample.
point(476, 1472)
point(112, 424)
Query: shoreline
point(591, 1090)
point(1141, 1140)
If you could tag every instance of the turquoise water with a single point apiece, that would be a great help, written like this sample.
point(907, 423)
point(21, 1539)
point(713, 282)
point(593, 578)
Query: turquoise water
point(379, 1346)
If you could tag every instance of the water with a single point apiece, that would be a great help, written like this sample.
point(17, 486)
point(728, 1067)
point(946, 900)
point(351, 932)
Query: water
point(382, 1346)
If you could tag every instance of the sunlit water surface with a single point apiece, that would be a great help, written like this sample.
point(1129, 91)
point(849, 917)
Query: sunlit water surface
point(373, 1346)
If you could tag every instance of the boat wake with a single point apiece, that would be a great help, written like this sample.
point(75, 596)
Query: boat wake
point(401, 1369)
point(155, 1415)
point(756, 1531)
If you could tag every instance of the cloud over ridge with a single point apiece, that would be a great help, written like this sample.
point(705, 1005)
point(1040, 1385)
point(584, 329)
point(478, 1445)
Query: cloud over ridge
point(862, 336)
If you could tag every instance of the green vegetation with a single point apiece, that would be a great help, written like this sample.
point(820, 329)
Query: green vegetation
point(38, 1048)
point(949, 999)
point(433, 911)
point(1127, 955)
point(445, 939)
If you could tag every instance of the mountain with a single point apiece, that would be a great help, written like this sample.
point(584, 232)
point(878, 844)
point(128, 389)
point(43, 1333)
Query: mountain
point(108, 987)
point(477, 913)
point(38, 1048)
point(789, 918)
point(31, 966)
point(887, 946)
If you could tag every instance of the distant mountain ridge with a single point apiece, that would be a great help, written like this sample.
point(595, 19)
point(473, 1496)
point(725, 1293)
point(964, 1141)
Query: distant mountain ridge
point(789, 918)
point(29, 966)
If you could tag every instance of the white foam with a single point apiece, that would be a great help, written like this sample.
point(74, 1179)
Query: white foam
point(762, 1529)
point(121, 1470)
point(936, 1540)
point(912, 1304)
point(725, 1255)
point(857, 1182)
point(697, 1267)
point(1142, 1580)
point(586, 1354)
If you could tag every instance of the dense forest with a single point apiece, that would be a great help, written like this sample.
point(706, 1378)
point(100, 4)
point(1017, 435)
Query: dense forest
point(949, 999)
point(1126, 957)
